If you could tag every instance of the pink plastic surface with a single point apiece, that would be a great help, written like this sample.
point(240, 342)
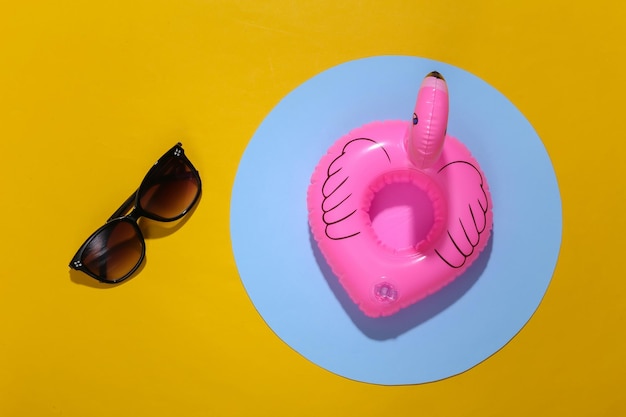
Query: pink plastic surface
point(398, 208)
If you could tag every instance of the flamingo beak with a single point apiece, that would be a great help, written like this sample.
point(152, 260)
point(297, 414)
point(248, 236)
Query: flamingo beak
point(435, 74)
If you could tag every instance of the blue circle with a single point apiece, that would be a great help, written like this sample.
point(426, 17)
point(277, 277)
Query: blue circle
point(293, 288)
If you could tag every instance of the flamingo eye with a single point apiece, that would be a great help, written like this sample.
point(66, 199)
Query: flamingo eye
point(414, 119)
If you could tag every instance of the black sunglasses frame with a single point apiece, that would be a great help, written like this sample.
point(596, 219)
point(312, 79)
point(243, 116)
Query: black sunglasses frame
point(134, 212)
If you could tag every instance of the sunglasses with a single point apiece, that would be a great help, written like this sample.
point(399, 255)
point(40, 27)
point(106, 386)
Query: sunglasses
point(168, 191)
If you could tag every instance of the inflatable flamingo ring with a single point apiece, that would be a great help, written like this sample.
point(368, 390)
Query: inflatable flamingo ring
point(398, 208)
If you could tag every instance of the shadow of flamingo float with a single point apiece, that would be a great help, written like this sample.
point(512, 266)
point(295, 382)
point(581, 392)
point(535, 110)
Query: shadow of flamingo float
point(399, 209)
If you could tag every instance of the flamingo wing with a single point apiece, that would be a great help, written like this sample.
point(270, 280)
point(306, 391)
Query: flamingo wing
point(471, 206)
point(339, 204)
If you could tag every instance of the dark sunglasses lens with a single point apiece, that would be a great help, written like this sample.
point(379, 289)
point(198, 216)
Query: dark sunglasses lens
point(114, 252)
point(170, 190)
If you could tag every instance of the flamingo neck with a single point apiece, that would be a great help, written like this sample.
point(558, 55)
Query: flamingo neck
point(427, 130)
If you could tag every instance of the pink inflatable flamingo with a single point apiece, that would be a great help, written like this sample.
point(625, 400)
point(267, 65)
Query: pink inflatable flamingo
point(398, 208)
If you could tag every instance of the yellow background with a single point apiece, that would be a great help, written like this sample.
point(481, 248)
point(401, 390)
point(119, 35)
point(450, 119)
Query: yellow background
point(91, 93)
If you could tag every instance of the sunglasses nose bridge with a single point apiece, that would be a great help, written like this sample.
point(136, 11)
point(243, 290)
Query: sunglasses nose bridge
point(134, 215)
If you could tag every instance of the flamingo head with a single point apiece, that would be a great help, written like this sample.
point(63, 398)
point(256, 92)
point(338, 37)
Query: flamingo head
point(427, 131)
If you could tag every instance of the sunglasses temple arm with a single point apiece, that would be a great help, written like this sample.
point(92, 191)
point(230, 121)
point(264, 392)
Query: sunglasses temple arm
point(125, 207)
